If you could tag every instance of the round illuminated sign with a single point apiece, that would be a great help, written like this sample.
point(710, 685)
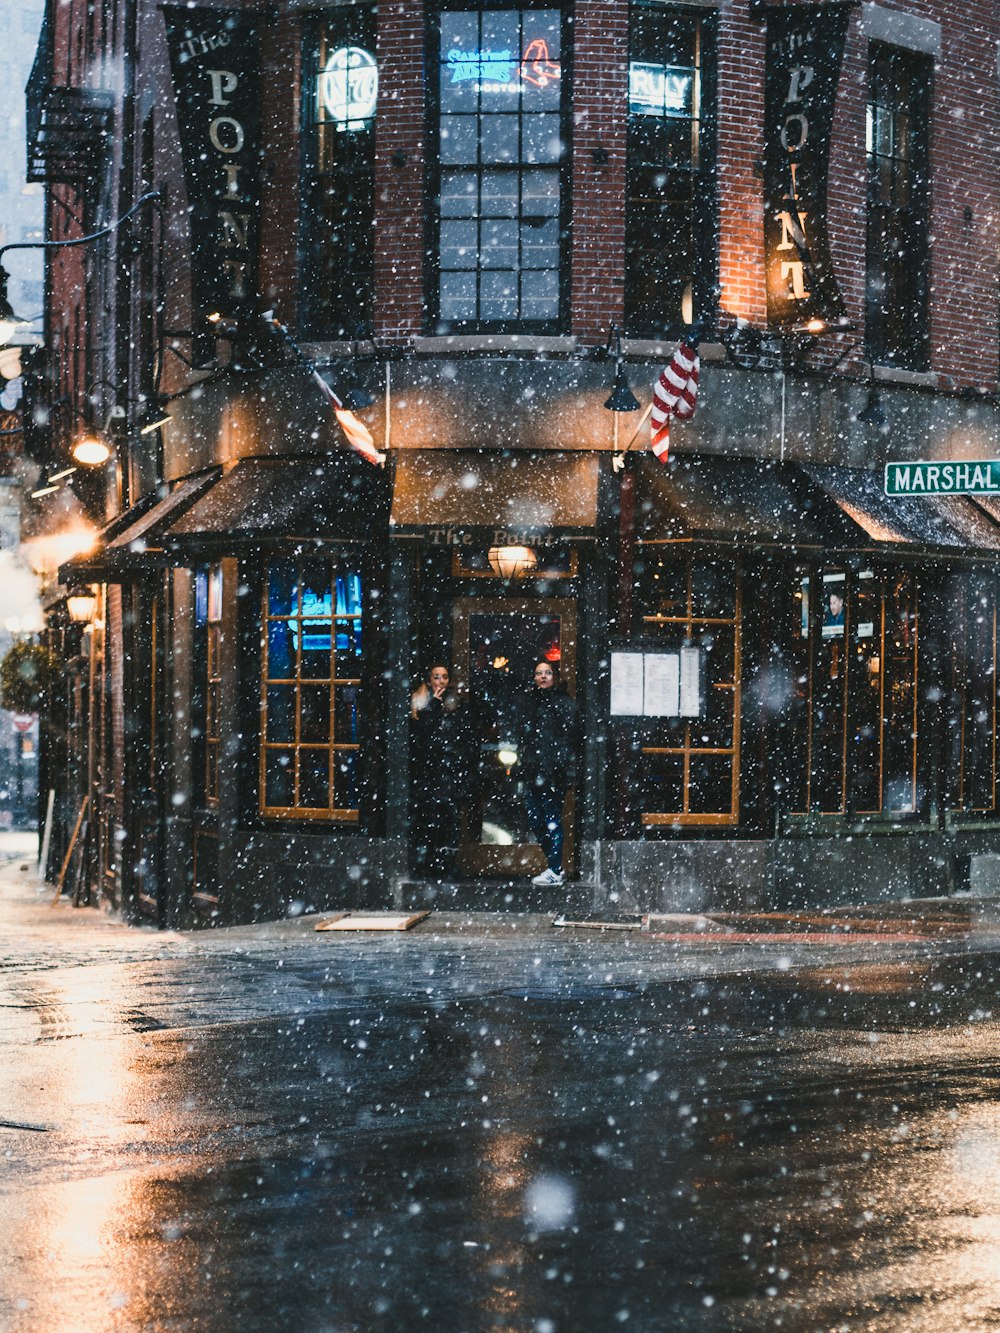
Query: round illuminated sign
point(348, 87)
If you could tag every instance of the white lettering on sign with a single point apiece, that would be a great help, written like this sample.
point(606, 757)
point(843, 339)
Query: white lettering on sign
point(348, 87)
point(957, 478)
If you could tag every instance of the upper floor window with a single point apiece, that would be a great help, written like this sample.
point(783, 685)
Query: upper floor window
point(898, 273)
point(670, 224)
point(338, 214)
point(499, 176)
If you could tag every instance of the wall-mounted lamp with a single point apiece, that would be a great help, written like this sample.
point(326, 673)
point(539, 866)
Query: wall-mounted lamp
point(81, 602)
point(512, 562)
point(622, 398)
point(92, 449)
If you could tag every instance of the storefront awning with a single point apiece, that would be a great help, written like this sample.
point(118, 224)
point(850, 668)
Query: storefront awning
point(951, 522)
point(734, 500)
point(264, 502)
point(131, 544)
point(503, 496)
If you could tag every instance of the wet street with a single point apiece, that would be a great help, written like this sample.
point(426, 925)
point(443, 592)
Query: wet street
point(501, 1125)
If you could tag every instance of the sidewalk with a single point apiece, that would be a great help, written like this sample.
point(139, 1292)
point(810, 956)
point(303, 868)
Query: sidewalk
point(31, 920)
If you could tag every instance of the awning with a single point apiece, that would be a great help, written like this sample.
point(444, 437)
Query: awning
point(949, 522)
point(735, 500)
point(131, 543)
point(264, 502)
point(516, 495)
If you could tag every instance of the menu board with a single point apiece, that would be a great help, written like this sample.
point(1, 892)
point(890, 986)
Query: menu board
point(656, 684)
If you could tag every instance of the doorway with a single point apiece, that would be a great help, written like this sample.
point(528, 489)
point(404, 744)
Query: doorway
point(496, 642)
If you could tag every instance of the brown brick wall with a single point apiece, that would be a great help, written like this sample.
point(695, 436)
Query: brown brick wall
point(600, 80)
point(399, 172)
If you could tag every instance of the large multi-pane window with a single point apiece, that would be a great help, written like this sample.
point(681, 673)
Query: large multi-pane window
point(311, 656)
point(678, 762)
point(500, 213)
point(854, 727)
point(898, 277)
point(972, 735)
point(670, 182)
point(339, 196)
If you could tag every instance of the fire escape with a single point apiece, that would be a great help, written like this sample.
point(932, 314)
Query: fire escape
point(68, 127)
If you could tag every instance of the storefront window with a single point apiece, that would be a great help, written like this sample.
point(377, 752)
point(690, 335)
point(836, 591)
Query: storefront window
point(670, 183)
point(208, 616)
point(339, 195)
point(974, 694)
point(501, 129)
point(680, 749)
point(853, 721)
point(311, 690)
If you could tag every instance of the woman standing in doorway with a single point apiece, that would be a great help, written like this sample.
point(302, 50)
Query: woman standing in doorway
point(441, 755)
point(547, 747)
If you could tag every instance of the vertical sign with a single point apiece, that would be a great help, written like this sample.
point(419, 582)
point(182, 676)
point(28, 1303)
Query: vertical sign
point(805, 48)
point(215, 63)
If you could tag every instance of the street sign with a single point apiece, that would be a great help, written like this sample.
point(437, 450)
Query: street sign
point(960, 478)
point(23, 721)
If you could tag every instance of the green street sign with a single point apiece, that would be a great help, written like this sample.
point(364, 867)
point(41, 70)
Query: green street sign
point(964, 478)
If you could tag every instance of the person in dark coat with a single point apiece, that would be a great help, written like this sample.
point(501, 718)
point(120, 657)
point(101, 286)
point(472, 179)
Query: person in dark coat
point(441, 763)
point(547, 756)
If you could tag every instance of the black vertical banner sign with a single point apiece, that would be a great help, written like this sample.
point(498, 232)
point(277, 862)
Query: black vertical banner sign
point(805, 49)
point(215, 64)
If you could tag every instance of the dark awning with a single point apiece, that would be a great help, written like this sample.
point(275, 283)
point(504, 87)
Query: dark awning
point(264, 502)
point(949, 522)
point(131, 544)
point(735, 500)
point(519, 493)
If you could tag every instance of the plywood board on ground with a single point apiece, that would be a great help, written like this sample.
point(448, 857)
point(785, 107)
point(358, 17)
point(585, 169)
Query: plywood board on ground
point(374, 921)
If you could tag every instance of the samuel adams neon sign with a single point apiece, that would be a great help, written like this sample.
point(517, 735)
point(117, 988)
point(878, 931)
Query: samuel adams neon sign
point(501, 67)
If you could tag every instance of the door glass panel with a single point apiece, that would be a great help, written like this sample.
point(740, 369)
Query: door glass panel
point(503, 649)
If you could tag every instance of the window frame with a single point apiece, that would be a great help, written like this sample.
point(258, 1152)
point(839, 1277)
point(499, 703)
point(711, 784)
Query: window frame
point(332, 814)
point(432, 271)
point(319, 315)
point(897, 305)
point(704, 218)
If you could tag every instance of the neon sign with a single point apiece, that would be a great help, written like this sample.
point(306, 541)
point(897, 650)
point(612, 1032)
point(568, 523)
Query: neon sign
point(500, 69)
point(658, 90)
point(348, 87)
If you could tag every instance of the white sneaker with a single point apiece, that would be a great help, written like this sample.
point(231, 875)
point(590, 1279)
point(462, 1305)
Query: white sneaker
point(548, 879)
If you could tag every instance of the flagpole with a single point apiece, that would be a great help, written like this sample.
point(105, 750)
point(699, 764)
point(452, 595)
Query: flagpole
point(642, 421)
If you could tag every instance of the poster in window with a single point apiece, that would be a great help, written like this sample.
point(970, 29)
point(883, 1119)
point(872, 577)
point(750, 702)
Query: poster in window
point(690, 682)
point(661, 685)
point(626, 684)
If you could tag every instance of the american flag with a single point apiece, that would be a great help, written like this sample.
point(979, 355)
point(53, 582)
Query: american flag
point(358, 435)
point(674, 395)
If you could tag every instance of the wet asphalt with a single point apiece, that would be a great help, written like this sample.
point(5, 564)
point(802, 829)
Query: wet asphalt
point(496, 1124)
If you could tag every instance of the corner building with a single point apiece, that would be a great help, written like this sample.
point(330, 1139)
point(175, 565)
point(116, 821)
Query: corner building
point(787, 678)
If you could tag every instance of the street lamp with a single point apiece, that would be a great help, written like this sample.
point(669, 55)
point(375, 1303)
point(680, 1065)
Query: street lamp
point(80, 603)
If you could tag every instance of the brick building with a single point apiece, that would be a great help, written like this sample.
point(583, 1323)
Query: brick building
point(787, 678)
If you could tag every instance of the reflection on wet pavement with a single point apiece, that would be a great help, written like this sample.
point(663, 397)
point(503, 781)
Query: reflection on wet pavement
point(471, 1133)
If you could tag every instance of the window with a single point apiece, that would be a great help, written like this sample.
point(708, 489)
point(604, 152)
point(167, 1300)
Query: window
point(670, 179)
point(683, 770)
point(310, 691)
point(208, 618)
point(897, 329)
point(501, 195)
point(973, 730)
point(854, 719)
point(339, 198)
